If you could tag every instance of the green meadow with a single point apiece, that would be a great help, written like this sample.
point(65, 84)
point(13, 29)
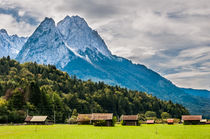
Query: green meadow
point(159, 131)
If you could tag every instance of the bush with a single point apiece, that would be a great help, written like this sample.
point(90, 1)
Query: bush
point(165, 115)
point(122, 122)
point(114, 120)
point(16, 116)
point(3, 119)
point(150, 115)
point(139, 123)
point(176, 120)
point(141, 117)
point(159, 121)
point(72, 120)
point(142, 122)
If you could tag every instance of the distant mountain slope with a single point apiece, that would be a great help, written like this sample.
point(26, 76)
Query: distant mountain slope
point(197, 92)
point(10, 45)
point(75, 48)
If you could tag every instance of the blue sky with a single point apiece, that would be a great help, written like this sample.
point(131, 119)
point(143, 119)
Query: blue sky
point(170, 37)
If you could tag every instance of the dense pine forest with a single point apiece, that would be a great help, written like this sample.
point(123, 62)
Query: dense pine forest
point(35, 89)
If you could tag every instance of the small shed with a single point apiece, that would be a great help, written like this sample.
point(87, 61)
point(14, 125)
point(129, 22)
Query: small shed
point(203, 121)
point(191, 119)
point(84, 118)
point(150, 121)
point(130, 120)
point(103, 119)
point(170, 121)
point(38, 120)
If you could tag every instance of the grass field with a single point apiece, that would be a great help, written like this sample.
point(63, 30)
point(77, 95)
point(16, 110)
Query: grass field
point(117, 132)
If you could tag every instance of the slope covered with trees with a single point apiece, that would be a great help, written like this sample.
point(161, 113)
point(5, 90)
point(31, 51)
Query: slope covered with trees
point(43, 90)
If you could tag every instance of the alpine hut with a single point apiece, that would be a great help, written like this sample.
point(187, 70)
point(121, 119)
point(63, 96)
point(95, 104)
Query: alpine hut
point(84, 118)
point(150, 121)
point(38, 120)
point(102, 119)
point(130, 120)
point(170, 121)
point(191, 119)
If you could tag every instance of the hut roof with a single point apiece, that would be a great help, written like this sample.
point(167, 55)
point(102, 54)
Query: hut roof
point(84, 117)
point(191, 117)
point(129, 117)
point(150, 121)
point(207, 122)
point(28, 118)
point(170, 120)
point(203, 120)
point(38, 119)
point(102, 116)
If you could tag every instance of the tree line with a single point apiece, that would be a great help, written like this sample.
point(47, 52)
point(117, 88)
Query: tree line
point(35, 89)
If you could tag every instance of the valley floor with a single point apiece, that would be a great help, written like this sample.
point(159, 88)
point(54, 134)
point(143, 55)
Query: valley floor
point(158, 131)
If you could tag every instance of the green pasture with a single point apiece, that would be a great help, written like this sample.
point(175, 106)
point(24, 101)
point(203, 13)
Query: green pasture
point(159, 131)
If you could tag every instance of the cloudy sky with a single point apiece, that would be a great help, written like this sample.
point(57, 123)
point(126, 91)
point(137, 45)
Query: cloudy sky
point(172, 37)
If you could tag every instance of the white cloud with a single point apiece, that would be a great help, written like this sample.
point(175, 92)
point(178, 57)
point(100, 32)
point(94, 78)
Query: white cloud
point(14, 27)
point(191, 79)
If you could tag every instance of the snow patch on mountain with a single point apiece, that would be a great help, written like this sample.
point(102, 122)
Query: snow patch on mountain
point(46, 46)
point(79, 36)
point(10, 45)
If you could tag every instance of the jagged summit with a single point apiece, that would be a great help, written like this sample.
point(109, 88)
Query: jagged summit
point(48, 21)
point(81, 38)
point(80, 22)
point(10, 45)
point(46, 46)
point(3, 31)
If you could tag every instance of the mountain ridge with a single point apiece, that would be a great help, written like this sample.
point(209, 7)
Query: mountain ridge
point(10, 44)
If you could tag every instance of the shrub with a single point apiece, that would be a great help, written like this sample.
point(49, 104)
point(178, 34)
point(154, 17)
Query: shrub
point(72, 120)
point(165, 115)
point(150, 115)
point(159, 121)
point(122, 122)
point(176, 120)
point(16, 116)
point(114, 120)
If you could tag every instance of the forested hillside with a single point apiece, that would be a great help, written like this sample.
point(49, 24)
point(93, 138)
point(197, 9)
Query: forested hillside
point(43, 90)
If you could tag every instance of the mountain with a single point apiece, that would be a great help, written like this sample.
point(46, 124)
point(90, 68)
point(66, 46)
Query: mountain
point(80, 37)
point(10, 45)
point(197, 92)
point(74, 47)
point(46, 46)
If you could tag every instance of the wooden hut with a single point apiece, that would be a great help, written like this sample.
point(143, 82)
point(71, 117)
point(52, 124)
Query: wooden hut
point(130, 120)
point(102, 119)
point(203, 121)
point(38, 120)
point(191, 119)
point(170, 121)
point(150, 121)
point(84, 118)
